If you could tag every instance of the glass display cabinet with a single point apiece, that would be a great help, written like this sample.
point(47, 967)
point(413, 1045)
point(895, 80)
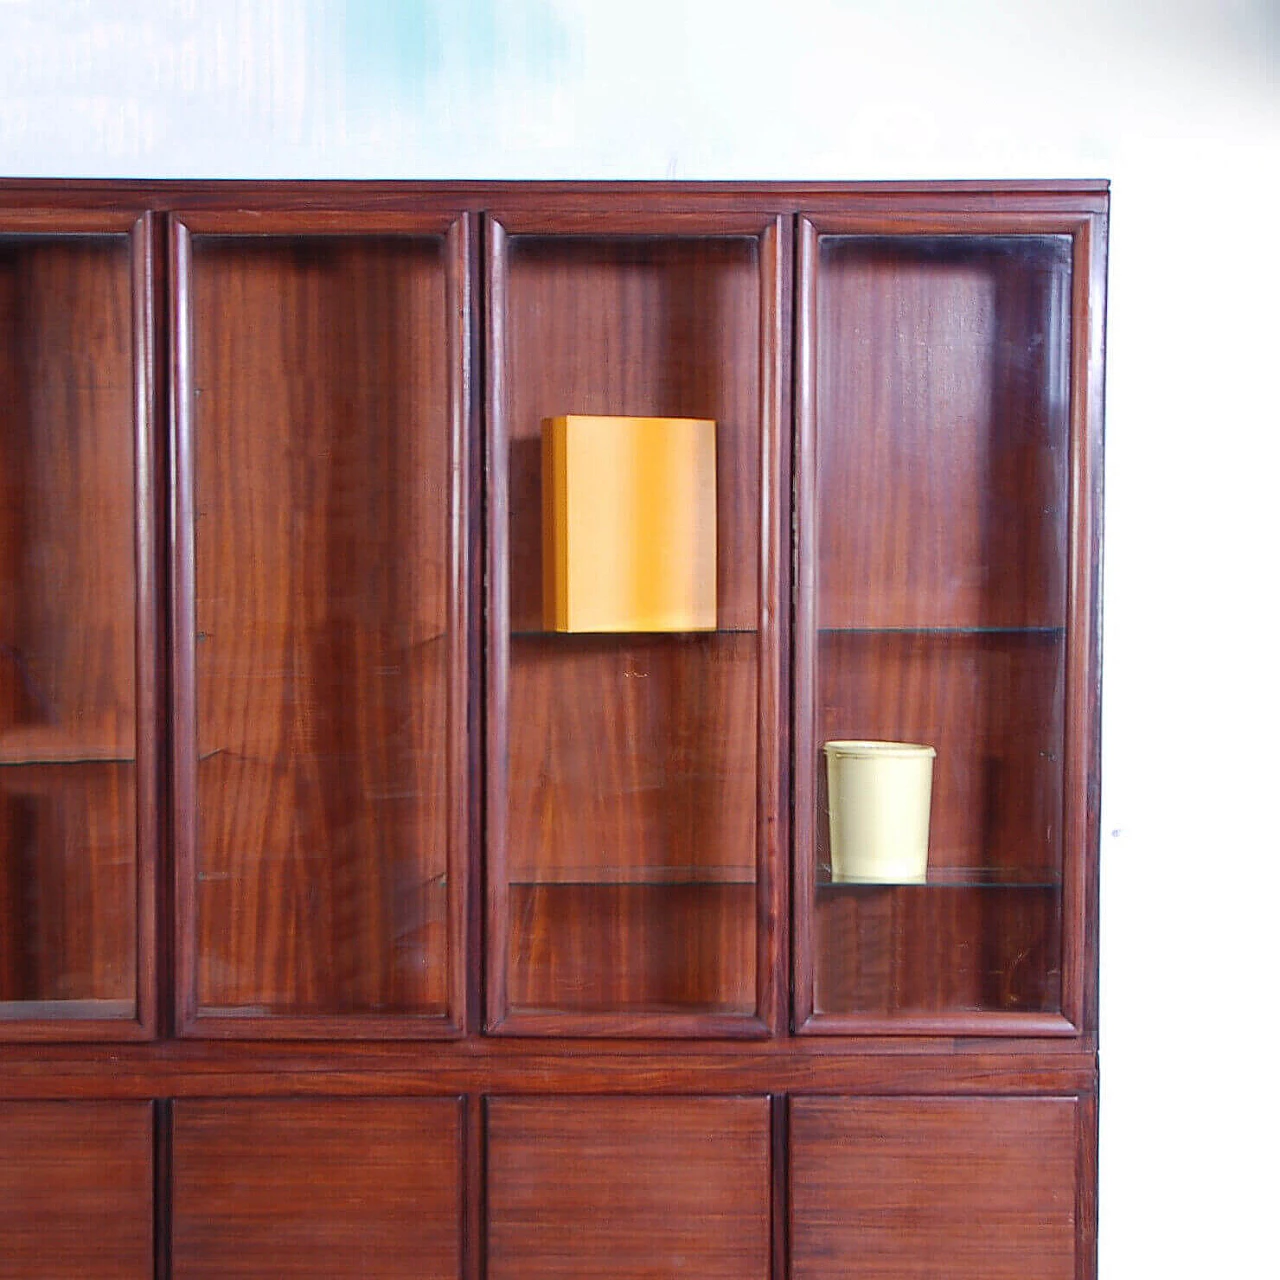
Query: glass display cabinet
point(633, 870)
point(549, 730)
point(78, 671)
point(942, 550)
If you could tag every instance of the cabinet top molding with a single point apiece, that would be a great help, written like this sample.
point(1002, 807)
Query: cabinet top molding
point(170, 194)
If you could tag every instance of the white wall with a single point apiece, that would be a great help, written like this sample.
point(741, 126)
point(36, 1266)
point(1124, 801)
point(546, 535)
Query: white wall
point(1177, 102)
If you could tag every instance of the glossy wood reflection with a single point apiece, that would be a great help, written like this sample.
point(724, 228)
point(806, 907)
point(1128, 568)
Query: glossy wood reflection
point(68, 847)
point(75, 1190)
point(628, 1188)
point(903, 1188)
point(660, 948)
point(336, 1188)
point(631, 752)
point(322, 496)
point(942, 402)
point(919, 949)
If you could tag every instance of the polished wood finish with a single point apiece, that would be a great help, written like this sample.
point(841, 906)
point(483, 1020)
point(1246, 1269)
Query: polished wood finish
point(75, 1190)
point(631, 755)
point(971, 1188)
point(323, 417)
point(367, 1188)
point(628, 1187)
point(704, 1049)
point(78, 695)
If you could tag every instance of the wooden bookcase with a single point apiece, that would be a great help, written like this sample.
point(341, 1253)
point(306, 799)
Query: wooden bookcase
point(353, 921)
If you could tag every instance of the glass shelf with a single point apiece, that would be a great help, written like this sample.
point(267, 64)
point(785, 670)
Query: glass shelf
point(631, 635)
point(66, 1009)
point(1047, 632)
point(952, 878)
point(48, 744)
point(621, 876)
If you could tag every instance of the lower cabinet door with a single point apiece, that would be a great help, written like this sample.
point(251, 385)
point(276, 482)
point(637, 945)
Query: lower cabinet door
point(966, 1188)
point(75, 1190)
point(628, 1187)
point(320, 1187)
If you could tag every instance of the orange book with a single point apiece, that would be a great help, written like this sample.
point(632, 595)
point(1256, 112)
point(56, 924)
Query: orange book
point(629, 524)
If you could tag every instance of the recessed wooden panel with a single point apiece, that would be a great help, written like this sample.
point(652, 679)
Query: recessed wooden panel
point(68, 845)
point(322, 495)
point(942, 430)
point(628, 1187)
point(366, 1188)
point(912, 1188)
point(75, 1190)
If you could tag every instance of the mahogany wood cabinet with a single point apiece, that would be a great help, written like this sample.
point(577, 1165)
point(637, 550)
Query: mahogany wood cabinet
point(355, 924)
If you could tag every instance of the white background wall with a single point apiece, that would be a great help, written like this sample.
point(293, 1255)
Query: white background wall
point(1175, 101)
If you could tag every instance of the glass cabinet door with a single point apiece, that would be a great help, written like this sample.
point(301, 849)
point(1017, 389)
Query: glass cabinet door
point(77, 656)
point(321, 628)
point(633, 752)
point(943, 623)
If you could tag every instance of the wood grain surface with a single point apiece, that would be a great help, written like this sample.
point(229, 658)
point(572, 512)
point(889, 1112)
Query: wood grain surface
point(366, 1189)
point(68, 849)
point(660, 948)
point(913, 1188)
point(628, 1188)
point(942, 403)
point(632, 752)
point(917, 949)
point(322, 494)
point(75, 1191)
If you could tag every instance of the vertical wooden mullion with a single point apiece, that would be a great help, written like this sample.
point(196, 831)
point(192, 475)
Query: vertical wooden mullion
point(771, 823)
point(472, 1218)
point(162, 1184)
point(458, 240)
point(780, 1187)
point(1083, 635)
point(1086, 1208)
point(147, 663)
point(182, 624)
point(804, 634)
point(497, 661)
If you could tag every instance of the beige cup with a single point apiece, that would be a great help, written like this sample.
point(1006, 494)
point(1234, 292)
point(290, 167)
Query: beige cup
point(879, 795)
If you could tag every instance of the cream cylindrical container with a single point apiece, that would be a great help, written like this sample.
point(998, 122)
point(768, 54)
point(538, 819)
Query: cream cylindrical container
point(879, 796)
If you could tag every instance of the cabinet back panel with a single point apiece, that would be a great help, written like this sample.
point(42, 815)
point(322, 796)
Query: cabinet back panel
point(640, 947)
point(904, 949)
point(943, 400)
point(68, 849)
point(321, 559)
